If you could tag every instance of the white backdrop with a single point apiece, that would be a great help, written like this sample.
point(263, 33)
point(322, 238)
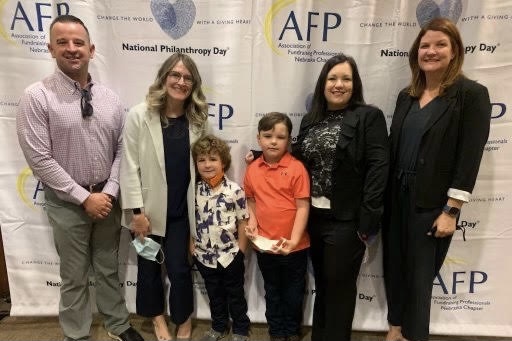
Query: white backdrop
point(256, 57)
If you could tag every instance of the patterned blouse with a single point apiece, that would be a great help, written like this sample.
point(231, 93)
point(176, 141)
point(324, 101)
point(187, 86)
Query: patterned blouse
point(318, 150)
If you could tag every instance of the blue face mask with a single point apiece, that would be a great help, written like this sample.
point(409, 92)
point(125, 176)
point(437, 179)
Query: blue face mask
point(148, 249)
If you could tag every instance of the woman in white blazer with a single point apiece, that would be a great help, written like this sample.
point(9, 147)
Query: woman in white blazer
point(157, 187)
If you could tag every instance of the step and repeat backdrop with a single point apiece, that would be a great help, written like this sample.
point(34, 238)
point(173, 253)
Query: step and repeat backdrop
point(255, 57)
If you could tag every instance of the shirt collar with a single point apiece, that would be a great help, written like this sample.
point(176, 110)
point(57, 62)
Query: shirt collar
point(284, 162)
point(70, 84)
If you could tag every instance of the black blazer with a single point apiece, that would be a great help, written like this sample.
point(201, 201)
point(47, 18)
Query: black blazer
point(360, 170)
point(452, 143)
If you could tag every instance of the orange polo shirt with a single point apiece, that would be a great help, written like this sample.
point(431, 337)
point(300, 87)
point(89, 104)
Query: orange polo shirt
point(274, 189)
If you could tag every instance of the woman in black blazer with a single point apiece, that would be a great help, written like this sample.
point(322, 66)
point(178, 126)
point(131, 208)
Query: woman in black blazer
point(437, 136)
point(343, 144)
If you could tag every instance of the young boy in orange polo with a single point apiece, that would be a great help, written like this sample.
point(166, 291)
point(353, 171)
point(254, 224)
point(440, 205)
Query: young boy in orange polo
point(277, 190)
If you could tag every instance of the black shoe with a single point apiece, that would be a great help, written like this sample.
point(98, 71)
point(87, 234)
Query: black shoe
point(129, 334)
point(277, 338)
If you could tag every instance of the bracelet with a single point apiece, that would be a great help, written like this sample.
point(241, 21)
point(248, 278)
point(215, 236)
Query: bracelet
point(136, 210)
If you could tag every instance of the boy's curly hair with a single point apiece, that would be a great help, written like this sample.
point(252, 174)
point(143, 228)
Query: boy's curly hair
point(210, 144)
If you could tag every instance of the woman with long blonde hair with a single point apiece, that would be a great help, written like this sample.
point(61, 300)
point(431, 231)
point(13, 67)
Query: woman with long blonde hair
point(157, 188)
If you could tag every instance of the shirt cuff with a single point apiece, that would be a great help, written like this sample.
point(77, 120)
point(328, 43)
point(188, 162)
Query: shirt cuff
point(321, 202)
point(111, 188)
point(77, 195)
point(459, 194)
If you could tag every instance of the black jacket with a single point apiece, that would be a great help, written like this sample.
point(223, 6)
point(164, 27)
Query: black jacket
point(360, 170)
point(452, 143)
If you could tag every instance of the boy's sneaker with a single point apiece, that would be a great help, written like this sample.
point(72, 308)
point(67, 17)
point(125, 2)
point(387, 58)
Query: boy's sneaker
point(277, 338)
point(237, 337)
point(213, 335)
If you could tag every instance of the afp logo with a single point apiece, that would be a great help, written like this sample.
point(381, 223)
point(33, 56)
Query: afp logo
point(461, 281)
point(430, 9)
point(29, 189)
point(220, 111)
point(498, 110)
point(295, 28)
point(175, 19)
point(34, 16)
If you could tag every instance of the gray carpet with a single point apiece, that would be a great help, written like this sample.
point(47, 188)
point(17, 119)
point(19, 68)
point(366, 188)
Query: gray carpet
point(47, 328)
point(44, 328)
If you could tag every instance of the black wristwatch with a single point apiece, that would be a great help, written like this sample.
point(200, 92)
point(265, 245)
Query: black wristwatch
point(451, 211)
point(136, 210)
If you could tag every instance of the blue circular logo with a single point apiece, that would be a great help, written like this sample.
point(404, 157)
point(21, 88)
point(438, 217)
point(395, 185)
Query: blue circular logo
point(174, 19)
point(429, 9)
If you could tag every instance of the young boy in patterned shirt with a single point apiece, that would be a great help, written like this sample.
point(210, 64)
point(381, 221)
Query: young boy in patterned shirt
point(219, 242)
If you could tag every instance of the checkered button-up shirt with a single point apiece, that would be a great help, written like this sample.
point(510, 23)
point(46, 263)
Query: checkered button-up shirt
point(63, 149)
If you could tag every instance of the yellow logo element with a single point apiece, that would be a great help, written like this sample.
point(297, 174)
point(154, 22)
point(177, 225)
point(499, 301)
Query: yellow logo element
point(272, 12)
point(20, 187)
point(451, 260)
point(3, 32)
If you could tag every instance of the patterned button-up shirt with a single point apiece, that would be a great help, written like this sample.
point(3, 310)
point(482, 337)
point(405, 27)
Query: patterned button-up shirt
point(64, 149)
point(217, 214)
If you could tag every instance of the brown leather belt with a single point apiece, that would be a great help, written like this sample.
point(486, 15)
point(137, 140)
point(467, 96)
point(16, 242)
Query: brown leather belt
point(95, 188)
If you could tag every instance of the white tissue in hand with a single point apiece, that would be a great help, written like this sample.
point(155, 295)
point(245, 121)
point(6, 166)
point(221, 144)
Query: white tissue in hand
point(263, 243)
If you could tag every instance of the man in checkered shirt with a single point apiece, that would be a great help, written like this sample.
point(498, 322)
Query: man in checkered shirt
point(69, 129)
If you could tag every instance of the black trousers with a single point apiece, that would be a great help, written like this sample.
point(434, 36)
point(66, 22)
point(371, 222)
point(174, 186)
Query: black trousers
point(412, 259)
point(150, 300)
point(284, 279)
point(336, 255)
point(225, 287)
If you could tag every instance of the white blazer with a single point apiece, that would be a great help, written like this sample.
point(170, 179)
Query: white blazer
point(142, 175)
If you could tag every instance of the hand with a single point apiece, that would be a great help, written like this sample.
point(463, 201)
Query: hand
point(242, 248)
point(140, 225)
point(367, 239)
point(191, 247)
point(98, 205)
point(249, 157)
point(443, 226)
point(254, 247)
point(251, 232)
point(284, 246)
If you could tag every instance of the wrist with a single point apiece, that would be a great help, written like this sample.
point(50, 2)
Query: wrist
point(452, 211)
point(293, 243)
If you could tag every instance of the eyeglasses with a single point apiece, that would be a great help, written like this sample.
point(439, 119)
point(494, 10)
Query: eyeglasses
point(85, 103)
point(176, 76)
